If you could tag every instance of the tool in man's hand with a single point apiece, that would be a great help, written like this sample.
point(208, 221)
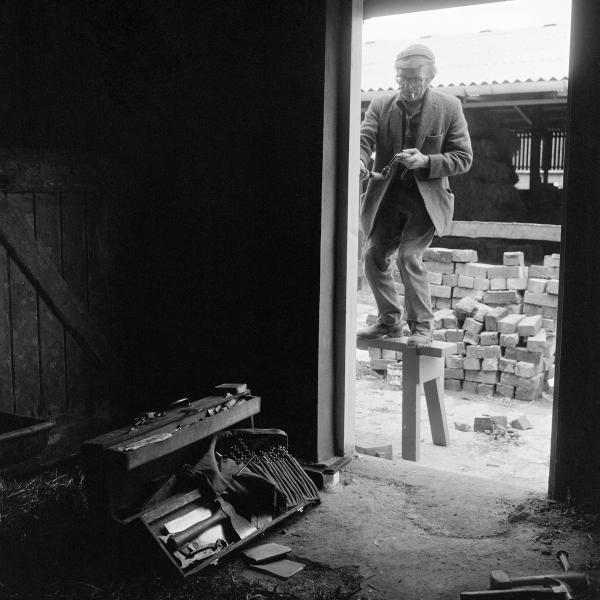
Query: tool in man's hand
point(388, 169)
point(242, 527)
point(556, 585)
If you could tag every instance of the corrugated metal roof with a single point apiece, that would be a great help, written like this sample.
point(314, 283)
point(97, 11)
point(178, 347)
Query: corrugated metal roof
point(490, 56)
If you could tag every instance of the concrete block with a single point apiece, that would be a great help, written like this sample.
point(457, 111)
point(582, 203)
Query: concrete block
point(435, 278)
point(443, 255)
point(489, 364)
point(481, 376)
point(450, 279)
point(438, 335)
point(502, 297)
point(435, 266)
point(491, 352)
point(509, 339)
point(529, 325)
point(464, 256)
point(460, 292)
point(552, 286)
point(536, 285)
point(509, 323)
point(521, 423)
point(552, 260)
point(506, 391)
point(472, 325)
point(506, 365)
point(473, 364)
point(473, 269)
point(454, 374)
point(462, 426)
point(440, 291)
point(451, 322)
point(525, 369)
point(538, 342)
point(498, 283)
point(480, 283)
point(443, 303)
point(470, 387)
point(493, 316)
point(454, 361)
point(480, 311)
point(471, 338)
point(488, 338)
point(513, 258)
point(485, 389)
point(454, 335)
point(465, 281)
point(453, 385)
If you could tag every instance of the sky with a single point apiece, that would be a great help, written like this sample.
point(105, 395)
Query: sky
point(495, 15)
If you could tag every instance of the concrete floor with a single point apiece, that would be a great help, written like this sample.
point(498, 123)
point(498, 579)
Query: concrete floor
point(411, 532)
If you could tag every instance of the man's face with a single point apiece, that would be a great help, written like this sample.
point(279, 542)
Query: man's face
point(413, 82)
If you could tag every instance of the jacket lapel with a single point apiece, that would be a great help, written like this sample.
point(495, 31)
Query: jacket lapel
point(395, 128)
point(428, 111)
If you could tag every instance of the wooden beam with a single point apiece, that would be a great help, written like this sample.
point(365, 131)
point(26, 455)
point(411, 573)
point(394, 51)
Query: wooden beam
point(15, 234)
point(382, 8)
point(509, 231)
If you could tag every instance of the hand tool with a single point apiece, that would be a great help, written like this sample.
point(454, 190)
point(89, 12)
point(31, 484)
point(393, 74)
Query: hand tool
point(225, 510)
point(198, 550)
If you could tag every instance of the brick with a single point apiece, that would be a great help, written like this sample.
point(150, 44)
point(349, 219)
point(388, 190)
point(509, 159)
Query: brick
point(454, 374)
point(452, 385)
point(525, 369)
point(549, 325)
point(473, 364)
point(443, 303)
point(465, 307)
point(454, 335)
point(472, 326)
point(470, 387)
point(483, 424)
point(550, 312)
point(529, 325)
point(532, 309)
point(374, 352)
point(529, 356)
point(536, 285)
point(517, 283)
point(491, 352)
point(521, 383)
point(388, 354)
point(489, 364)
point(498, 283)
point(509, 339)
point(509, 323)
point(438, 335)
point(465, 281)
point(440, 291)
point(451, 322)
point(506, 391)
point(521, 423)
point(506, 365)
point(454, 361)
point(480, 283)
point(450, 279)
point(538, 342)
point(492, 317)
point(471, 338)
point(464, 256)
point(513, 258)
point(502, 297)
point(541, 272)
point(474, 351)
point(498, 271)
point(527, 395)
point(443, 255)
point(552, 260)
point(552, 286)
point(485, 389)
point(481, 376)
point(460, 347)
point(515, 309)
point(460, 292)
point(435, 278)
point(473, 269)
point(462, 426)
point(480, 311)
point(435, 266)
point(488, 338)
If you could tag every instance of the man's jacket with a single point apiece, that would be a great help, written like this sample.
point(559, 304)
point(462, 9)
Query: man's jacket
point(442, 135)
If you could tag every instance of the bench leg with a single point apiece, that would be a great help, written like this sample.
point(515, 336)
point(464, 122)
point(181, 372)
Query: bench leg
point(434, 395)
point(411, 405)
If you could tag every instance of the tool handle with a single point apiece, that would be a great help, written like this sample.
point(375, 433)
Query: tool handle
point(177, 540)
point(563, 557)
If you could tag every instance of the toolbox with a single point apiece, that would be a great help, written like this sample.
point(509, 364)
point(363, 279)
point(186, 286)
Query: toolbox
point(196, 487)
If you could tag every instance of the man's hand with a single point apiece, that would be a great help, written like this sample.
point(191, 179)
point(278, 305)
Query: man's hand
point(412, 159)
point(364, 172)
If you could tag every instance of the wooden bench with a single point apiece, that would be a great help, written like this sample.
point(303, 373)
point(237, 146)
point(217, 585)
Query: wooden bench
point(419, 366)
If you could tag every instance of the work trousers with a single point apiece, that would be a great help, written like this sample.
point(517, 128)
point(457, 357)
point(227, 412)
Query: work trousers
point(402, 224)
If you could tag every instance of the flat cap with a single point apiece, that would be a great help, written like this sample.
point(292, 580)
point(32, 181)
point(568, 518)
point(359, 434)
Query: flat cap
point(414, 56)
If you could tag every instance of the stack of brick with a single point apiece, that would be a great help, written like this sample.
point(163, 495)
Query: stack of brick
point(501, 317)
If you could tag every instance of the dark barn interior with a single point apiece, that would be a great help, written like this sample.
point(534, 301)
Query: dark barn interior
point(210, 141)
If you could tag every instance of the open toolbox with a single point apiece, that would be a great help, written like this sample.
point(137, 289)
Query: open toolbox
point(195, 487)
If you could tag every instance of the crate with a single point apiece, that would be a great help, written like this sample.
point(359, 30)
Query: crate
point(22, 437)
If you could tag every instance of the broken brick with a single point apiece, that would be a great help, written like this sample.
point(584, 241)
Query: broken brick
point(509, 339)
point(521, 423)
point(529, 325)
point(462, 426)
point(493, 316)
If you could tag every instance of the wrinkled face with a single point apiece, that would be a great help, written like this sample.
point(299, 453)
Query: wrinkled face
point(413, 82)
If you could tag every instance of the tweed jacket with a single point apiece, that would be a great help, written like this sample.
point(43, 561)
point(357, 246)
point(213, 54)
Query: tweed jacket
point(442, 135)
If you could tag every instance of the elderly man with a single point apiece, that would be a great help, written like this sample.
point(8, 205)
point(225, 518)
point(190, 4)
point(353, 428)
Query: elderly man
point(421, 136)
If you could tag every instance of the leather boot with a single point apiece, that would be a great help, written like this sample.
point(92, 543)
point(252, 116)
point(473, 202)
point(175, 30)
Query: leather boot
point(420, 336)
point(379, 329)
